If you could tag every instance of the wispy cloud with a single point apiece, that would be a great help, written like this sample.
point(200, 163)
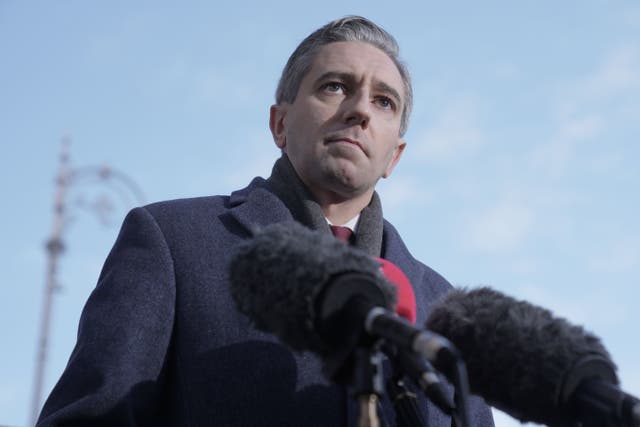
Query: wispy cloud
point(400, 191)
point(586, 108)
point(454, 133)
point(619, 72)
point(555, 155)
point(630, 16)
point(501, 227)
point(620, 256)
point(578, 308)
point(613, 79)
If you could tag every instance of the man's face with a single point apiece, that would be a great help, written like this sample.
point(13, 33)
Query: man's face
point(342, 131)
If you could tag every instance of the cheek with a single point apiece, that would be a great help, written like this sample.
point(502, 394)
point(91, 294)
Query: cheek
point(387, 160)
point(310, 120)
point(387, 154)
point(319, 112)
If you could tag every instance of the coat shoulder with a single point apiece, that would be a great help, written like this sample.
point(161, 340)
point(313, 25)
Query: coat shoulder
point(187, 213)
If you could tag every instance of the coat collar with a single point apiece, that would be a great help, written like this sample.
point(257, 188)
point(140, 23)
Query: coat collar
point(256, 206)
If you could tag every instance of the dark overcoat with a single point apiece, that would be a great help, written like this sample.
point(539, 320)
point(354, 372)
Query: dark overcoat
point(160, 341)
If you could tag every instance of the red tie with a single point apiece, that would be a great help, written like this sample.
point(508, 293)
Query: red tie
point(342, 233)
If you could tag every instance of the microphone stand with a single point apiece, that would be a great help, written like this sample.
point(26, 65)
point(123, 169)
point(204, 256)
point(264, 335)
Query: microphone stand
point(405, 403)
point(418, 369)
point(408, 412)
point(368, 385)
point(461, 416)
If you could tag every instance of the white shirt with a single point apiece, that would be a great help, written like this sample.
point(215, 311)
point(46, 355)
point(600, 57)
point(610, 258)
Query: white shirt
point(352, 224)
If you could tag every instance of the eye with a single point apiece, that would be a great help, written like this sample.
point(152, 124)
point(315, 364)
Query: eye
point(333, 87)
point(386, 103)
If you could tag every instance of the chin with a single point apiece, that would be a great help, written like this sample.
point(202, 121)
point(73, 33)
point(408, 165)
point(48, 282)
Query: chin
point(350, 186)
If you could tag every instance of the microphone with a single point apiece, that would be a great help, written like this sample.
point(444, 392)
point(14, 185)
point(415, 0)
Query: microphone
point(295, 283)
point(406, 304)
point(412, 364)
point(316, 293)
point(532, 365)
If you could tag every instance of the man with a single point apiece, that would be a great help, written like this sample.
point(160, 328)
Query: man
point(160, 341)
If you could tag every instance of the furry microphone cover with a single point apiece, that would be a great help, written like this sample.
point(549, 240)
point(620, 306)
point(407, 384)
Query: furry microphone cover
point(278, 274)
point(519, 357)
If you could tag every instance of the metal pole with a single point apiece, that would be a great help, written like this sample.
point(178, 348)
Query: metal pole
point(54, 247)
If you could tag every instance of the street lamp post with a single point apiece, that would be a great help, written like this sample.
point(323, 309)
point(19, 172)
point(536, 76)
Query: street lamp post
point(54, 246)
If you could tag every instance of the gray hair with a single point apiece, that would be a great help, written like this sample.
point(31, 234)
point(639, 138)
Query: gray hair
point(347, 29)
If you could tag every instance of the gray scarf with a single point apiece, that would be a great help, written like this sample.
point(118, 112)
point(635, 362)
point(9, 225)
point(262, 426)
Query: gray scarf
point(291, 190)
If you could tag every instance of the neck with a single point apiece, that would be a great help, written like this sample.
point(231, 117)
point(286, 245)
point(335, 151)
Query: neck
point(313, 210)
point(340, 210)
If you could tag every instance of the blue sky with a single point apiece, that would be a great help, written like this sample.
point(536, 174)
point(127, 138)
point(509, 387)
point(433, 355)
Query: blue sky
point(520, 173)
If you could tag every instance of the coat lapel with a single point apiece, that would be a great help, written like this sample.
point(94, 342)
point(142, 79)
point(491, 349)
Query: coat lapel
point(256, 206)
point(394, 250)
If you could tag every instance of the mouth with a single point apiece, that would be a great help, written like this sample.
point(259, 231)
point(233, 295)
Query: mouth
point(344, 139)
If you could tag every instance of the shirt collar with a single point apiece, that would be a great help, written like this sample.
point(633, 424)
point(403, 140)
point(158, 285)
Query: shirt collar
point(352, 224)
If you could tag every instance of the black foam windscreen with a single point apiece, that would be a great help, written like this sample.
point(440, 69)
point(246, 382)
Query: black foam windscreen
point(280, 276)
point(520, 357)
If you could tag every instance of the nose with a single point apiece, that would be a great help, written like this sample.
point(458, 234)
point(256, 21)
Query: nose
point(357, 110)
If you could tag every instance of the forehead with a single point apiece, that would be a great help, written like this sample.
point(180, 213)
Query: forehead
point(360, 59)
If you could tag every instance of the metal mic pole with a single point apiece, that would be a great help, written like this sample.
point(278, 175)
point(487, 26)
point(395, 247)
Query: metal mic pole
point(368, 385)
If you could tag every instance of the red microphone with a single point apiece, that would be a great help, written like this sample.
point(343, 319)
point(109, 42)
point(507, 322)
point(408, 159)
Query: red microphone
point(413, 365)
point(406, 305)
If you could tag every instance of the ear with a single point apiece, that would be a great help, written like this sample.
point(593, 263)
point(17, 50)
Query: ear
point(276, 124)
point(397, 153)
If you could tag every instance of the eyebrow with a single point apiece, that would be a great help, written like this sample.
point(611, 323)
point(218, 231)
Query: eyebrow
point(349, 78)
